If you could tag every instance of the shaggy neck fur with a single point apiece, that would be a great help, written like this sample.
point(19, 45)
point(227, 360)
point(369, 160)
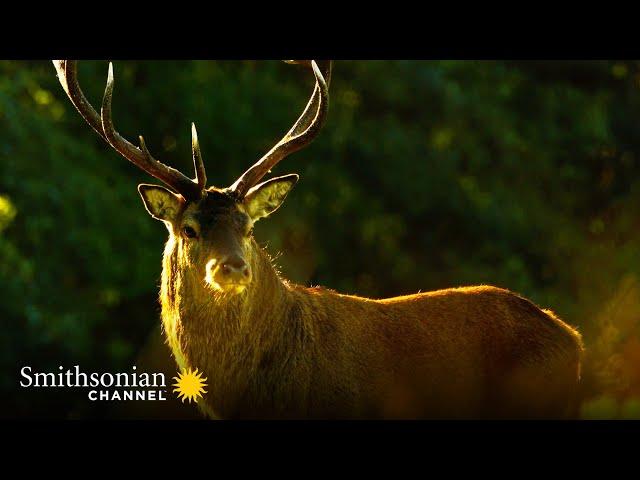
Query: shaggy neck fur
point(248, 345)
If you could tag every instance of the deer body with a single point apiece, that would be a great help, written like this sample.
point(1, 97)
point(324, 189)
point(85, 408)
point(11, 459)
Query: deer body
point(272, 349)
point(280, 350)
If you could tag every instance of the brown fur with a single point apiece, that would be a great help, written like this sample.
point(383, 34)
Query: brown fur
point(279, 350)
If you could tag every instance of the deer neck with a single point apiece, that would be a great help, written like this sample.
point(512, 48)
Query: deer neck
point(232, 338)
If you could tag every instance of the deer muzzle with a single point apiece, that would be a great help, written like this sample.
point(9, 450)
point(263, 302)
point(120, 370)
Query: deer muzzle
point(229, 274)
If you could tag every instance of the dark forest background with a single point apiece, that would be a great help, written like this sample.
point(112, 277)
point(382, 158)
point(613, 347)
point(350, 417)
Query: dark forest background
point(428, 174)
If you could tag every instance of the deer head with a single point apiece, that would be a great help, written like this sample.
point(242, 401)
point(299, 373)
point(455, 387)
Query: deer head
point(211, 227)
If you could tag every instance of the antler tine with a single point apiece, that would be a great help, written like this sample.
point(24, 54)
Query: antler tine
point(141, 157)
point(103, 125)
point(68, 75)
point(198, 164)
point(301, 134)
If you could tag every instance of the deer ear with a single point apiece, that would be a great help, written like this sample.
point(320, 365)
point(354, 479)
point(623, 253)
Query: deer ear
point(161, 203)
point(266, 197)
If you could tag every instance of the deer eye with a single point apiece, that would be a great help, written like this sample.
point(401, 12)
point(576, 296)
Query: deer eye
point(189, 232)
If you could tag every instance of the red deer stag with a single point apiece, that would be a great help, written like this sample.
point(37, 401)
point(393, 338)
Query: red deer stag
point(273, 349)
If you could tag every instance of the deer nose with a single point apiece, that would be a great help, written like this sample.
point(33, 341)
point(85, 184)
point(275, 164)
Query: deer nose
point(235, 269)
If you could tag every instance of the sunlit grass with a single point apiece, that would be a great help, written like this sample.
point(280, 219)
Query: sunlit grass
point(614, 355)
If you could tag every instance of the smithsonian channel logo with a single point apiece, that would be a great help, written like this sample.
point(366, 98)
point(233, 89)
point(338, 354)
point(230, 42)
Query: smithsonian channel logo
point(130, 386)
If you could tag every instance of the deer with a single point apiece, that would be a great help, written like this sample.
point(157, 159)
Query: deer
point(272, 349)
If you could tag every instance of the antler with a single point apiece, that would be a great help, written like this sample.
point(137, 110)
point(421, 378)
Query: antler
point(306, 128)
point(103, 125)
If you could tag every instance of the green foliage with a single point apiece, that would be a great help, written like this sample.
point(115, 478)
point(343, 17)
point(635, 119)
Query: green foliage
point(427, 175)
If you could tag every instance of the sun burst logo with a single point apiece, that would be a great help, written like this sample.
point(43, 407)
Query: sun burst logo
point(190, 384)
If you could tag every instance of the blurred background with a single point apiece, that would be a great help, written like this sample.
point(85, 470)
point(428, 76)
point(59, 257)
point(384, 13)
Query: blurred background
point(427, 175)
